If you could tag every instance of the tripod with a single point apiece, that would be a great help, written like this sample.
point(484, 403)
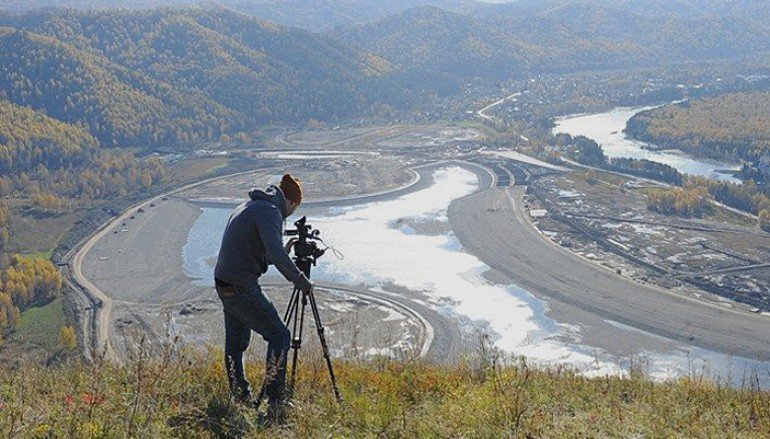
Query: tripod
point(296, 316)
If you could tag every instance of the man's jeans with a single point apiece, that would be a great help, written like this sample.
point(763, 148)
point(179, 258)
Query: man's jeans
point(246, 310)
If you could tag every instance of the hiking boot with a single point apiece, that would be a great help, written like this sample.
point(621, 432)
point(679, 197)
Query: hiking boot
point(275, 415)
point(246, 397)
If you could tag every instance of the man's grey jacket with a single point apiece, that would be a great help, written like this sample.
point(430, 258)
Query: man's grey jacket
point(253, 239)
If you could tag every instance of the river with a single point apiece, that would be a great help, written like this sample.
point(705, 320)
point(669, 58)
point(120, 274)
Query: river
point(607, 130)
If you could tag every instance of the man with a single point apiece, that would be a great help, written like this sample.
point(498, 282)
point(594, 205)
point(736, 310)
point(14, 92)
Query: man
point(252, 240)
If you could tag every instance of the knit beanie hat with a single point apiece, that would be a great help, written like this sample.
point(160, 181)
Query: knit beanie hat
point(291, 188)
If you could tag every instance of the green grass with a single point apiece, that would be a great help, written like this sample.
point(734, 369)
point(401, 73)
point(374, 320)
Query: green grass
point(195, 169)
point(40, 235)
point(470, 124)
point(604, 178)
point(41, 325)
point(647, 190)
point(218, 167)
point(719, 214)
point(40, 255)
point(185, 395)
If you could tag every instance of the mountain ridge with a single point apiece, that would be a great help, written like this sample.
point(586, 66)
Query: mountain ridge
point(185, 75)
point(176, 78)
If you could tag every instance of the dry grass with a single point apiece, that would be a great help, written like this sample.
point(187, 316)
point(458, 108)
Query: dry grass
point(196, 169)
point(177, 394)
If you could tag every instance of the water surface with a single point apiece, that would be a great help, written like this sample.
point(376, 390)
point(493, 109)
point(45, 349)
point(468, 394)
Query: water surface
point(607, 130)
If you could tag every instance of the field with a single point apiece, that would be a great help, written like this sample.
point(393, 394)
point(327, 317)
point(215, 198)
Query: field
point(40, 326)
point(185, 396)
point(36, 233)
point(196, 169)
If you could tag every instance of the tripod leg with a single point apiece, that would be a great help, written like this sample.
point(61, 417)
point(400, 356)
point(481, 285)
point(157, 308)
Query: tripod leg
point(320, 329)
point(291, 307)
point(296, 337)
point(296, 342)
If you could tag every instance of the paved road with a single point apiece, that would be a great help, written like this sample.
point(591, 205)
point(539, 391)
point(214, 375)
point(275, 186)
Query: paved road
point(505, 239)
point(482, 113)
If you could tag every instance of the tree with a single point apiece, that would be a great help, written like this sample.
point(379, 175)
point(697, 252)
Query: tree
point(588, 152)
point(728, 126)
point(6, 186)
point(690, 201)
point(5, 222)
point(5, 214)
point(51, 162)
point(590, 176)
point(764, 220)
point(146, 180)
point(67, 338)
point(242, 138)
point(5, 238)
point(314, 124)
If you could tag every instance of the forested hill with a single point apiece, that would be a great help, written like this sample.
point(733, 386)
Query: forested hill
point(564, 37)
point(308, 14)
point(318, 15)
point(171, 77)
point(441, 41)
point(117, 105)
point(733, 126)
point(29, 139)
point(42, 157)
point(327, 14)
point(754, 10)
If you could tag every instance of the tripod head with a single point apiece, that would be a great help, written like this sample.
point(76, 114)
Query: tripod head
point(306, 250)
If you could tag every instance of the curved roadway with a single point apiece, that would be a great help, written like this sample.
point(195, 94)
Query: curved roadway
point(506, 240)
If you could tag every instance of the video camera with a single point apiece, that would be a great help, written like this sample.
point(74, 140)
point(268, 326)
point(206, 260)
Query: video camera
point(305, 248)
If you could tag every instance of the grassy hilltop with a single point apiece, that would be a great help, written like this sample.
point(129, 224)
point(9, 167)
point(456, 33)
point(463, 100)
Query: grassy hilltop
point(185, 396)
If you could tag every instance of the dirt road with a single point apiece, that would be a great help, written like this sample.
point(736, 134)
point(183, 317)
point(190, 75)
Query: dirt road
point(505, 239)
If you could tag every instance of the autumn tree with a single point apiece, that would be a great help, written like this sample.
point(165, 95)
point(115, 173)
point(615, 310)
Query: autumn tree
point(26, 282)
point(690, 201)
point(590, 176)
point(242, 138)
point(764, 220)
point(5, 223)
point(67, 338)
point(730, 126)
point(52, 162)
